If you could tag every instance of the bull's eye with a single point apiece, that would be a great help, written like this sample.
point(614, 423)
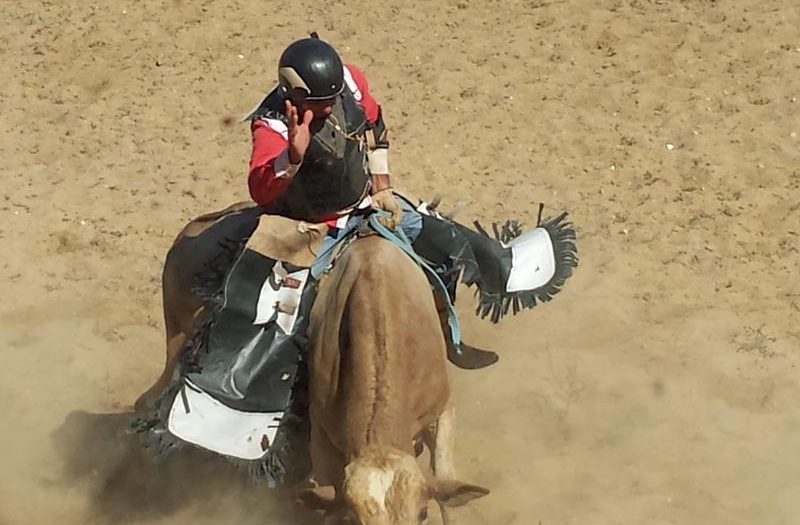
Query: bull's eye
point(423, 515)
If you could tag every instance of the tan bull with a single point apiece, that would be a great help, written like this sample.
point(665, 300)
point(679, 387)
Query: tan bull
point(377, 382)
point(378, 374)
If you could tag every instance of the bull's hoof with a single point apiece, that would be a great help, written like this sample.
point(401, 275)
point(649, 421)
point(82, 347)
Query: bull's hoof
point(471, 358)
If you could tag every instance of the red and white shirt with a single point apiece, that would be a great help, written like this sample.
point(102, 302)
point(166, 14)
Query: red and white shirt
point(269, 162)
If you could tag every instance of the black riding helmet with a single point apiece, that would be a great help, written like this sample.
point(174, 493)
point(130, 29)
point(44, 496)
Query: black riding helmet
point(313, 66)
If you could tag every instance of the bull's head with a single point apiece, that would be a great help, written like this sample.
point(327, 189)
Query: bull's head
point(386, 487)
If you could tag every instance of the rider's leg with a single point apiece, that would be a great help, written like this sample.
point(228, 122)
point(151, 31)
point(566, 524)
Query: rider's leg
point(411, 223)
point(512, 270)
point(437, 251)
point(446, 243)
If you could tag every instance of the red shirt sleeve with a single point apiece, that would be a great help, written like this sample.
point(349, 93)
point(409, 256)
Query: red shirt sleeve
point(357, 82)
point(270, 147)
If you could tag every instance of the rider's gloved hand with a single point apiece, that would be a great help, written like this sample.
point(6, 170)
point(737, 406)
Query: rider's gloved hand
point(386, 201)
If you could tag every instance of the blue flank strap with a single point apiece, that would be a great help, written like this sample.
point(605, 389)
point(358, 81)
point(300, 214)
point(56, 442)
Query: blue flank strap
point(400, 240)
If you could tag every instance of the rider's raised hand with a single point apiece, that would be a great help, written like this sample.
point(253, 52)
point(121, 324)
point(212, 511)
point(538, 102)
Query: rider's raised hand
point(299, 132)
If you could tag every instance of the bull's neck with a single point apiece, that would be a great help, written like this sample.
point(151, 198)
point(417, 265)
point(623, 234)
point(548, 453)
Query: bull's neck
point(380, 401)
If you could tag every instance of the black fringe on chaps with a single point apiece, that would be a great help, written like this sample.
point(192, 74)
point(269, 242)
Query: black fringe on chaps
point(496, 305)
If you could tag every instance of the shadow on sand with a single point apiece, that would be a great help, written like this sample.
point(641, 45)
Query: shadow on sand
point(129, 483)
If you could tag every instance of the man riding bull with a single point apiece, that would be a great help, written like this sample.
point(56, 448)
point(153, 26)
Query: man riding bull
point(320, 151)
point(320, 154)
point(236, 311)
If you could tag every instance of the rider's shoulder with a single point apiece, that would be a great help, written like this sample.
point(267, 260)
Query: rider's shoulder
point(356, 81)
point(266, 128)
point(355, 73)
point(270, 107)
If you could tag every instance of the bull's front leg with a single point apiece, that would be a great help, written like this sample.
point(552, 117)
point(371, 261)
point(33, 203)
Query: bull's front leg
point(440, 439)
point(327, 473)
point(327, 463)
point(442, 462)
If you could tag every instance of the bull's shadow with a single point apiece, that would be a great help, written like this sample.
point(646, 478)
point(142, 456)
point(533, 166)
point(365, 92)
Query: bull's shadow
point(131, 484)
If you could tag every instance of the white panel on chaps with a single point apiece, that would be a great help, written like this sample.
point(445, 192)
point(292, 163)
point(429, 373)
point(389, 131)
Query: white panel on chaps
point(198, 418)
point(273, 292)
point(533, 261)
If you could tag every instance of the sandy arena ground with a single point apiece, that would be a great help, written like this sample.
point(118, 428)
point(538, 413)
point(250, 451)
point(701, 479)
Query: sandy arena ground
point(660, 387)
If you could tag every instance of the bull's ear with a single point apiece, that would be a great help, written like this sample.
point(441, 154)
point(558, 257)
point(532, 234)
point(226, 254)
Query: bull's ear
point(451, 493)
point(317, 498)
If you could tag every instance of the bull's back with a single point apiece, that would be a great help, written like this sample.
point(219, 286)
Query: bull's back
point(201, 248)
point(379, 357)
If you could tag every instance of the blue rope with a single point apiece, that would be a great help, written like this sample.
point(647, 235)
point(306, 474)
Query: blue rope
point(400, 240)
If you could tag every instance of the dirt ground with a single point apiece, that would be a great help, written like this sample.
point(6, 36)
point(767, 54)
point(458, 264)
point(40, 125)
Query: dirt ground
point(660, 387)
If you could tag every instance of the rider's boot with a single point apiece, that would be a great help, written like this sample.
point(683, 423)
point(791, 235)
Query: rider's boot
point(462, 355)
point(469, 357)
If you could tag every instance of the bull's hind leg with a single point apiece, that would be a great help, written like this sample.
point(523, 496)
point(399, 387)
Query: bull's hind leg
point(147, 400)
point(181, 323)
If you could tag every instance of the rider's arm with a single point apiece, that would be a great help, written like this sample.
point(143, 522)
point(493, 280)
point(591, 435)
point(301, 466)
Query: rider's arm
point(377, 137)
point(270, 171)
